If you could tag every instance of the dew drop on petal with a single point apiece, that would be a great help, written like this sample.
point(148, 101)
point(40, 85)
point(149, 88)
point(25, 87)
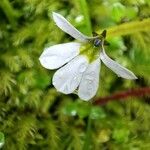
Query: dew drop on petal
point(82, 68)
point(66, 88)
point(92, 73)
point(88, 77)
point(75, 78)
point(90, 81)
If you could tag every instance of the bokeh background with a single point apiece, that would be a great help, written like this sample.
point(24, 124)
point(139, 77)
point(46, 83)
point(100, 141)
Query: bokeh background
point(34, 116)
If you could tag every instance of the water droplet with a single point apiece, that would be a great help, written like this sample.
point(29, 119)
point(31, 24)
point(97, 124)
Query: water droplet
point(88, 77)
point(89, 84)
point(74, 78)
point(82, 68)
point(66, 88)
point(74, 81)
point(90, 81)
point(89, 87)
point(92, 73)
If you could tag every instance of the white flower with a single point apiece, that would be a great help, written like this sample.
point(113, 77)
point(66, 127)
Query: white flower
point(79, 61)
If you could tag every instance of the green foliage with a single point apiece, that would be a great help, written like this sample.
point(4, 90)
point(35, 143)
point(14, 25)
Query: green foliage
point(33, 115)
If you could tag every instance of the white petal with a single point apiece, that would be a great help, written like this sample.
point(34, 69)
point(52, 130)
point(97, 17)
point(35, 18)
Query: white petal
point(64, 25)
point(117, 68)
point(90, 81)
point(57, 55)
point(67, 78)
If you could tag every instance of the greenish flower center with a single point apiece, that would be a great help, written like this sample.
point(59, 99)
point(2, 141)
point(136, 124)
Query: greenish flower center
point(90, 51)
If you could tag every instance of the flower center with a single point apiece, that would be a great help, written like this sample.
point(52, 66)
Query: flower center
point(97, 42)
point(91, 49)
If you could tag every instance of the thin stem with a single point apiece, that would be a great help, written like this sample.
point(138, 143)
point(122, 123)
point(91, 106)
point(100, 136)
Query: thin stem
point(129, 28)
point(123, 95)
point(85, 11)
point(86, 145)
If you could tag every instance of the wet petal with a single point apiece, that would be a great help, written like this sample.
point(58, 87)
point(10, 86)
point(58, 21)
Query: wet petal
point(64, 25)
point(117, 68)
point(57, 55)
point(90, 81)
point(67, 78)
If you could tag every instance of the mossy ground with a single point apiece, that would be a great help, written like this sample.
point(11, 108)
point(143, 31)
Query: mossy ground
point(33, 115)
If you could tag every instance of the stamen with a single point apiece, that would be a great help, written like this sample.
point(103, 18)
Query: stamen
point(97, 42)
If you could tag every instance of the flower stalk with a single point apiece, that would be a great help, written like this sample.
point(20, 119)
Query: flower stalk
point(86, 145)
point(140, 92)
point(128, 28)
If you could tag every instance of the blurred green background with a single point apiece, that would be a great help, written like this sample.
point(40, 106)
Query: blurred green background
point(33, 115)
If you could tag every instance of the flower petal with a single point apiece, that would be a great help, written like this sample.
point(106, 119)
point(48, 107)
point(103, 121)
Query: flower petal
point(90, 81)
point(64, 25)
point(57, 55)
point(67, 78)
point(117, 68)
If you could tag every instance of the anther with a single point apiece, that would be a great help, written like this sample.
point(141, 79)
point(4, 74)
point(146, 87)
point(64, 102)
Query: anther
point(97, 42)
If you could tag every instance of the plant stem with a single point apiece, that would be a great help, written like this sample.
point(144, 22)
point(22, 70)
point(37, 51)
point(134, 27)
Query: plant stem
point(84, 9)
point(123, 95)
point(128, 28)
point(86, 145)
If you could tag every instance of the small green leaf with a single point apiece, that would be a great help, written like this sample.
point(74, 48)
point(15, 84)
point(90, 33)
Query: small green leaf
point(118, 11)
point(97, 113)
point(70, 109)
point(116, 43)
point(43, 79)
point(83, 110)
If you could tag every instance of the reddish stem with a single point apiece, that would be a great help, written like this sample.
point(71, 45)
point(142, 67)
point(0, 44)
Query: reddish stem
point(123, 95)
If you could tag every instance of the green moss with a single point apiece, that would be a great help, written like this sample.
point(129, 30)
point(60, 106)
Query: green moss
point(33, 115)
